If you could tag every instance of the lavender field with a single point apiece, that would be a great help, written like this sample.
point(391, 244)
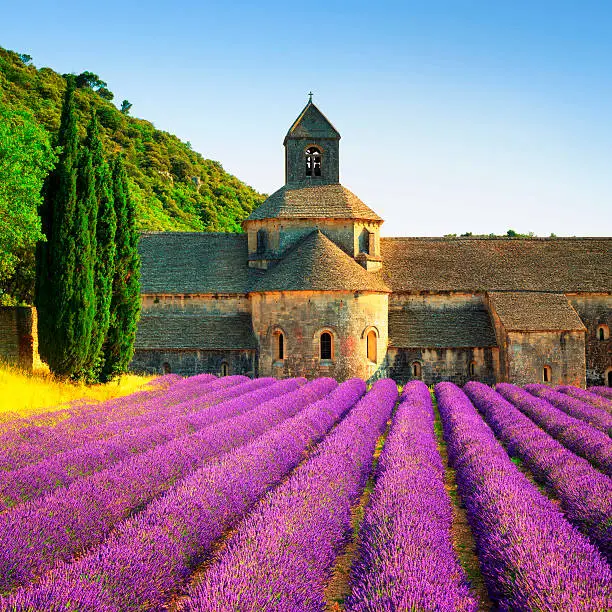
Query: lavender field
point(232, 494)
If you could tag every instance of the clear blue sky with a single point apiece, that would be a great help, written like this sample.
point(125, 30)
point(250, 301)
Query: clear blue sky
point(455, 116)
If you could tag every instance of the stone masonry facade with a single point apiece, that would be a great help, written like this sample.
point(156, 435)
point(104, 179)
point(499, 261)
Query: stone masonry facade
point(312, 289)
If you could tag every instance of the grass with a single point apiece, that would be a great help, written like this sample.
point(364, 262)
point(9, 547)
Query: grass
point(23, 393)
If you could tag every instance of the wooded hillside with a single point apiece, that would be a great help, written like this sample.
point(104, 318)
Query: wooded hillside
point(175, 188)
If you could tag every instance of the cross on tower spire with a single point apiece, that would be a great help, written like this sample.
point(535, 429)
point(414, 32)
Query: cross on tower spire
point(310, 96)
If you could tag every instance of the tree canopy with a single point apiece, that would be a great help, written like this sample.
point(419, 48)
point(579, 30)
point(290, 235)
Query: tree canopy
point(26, 157)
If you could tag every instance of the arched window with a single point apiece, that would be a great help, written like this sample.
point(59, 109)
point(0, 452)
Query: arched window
point(313, 161)
point(279, 343)
point(326, 346)
point(262, 241)
point(417, 370)
point(371, 342)
point(364, 241)
point(547, 374)
point(603, 332)
point(609, 378)
point(166, 368)
point(472, 368)
point(224, 368)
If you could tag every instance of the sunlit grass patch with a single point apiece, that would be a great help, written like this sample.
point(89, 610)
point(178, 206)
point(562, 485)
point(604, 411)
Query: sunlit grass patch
point(25, 393)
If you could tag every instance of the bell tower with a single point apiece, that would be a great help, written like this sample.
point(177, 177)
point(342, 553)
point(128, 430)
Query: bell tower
point(312, 149)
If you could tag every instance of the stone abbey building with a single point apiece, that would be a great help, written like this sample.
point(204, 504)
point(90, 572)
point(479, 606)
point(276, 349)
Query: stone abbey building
point(311, 289)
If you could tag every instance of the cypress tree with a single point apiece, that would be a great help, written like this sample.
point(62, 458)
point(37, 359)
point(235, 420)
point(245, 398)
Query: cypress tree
point(81, 314)
point(55, 258)
point(106, 226)
point(125, 303)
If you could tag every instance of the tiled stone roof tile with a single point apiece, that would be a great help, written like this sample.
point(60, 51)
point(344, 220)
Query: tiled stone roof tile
point(317, 264)
point(498, 264)
point(306, 200)
point(535, 311)
point(195, 331)
point(416, 325)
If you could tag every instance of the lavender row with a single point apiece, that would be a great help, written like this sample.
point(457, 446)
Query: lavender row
point(72, 520)
point(581, 410)
point(580, 437)
point(280, 556)
point(60, 470)
point(603, 391)
point(36, 443)
point(150, 556)
point(585, 493)
point(530, 556)
point(599, 401)
point(406, 559)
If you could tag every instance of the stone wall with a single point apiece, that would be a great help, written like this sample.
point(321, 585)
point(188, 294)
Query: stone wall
point(443, 364)
point(302, 316)
point(295, 159)
point(19, 336)
point(282, 234)
point(595, 310)
point(189, 363)
point(529, 352)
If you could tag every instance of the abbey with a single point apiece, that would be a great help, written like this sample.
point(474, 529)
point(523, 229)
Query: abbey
point(312, 289)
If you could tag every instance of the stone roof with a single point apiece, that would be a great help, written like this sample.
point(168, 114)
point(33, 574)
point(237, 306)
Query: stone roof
point(312, 123)
point(503, 264)
point(317, 264)
point(535, 311)
point(417, 325)
point(184, 331)
point(306, 201)
point(191, 262)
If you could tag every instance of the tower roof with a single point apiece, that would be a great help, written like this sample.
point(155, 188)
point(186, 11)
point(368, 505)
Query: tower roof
point(312, 123)
point(305, 201)
point(317, 264)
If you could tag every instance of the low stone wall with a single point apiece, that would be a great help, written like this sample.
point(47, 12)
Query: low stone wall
point(19, 336)
point(443, 364)
point(191, 362)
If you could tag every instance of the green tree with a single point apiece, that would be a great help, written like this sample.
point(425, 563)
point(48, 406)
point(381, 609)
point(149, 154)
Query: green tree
point(26, 157)
point(125, 303)
point(105, 93)
point(89, 79)
point(81, 313)
point(126, 105)
point(106, 226)
point(64, 263)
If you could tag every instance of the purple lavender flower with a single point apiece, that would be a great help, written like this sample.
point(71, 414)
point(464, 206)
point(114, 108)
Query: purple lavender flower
point(406, 559)
point(585, 493)
point(598, 401)
point(531, 557)
point(150, 555)
point(72, 520)
point(581, 410)
point(580, 437)
point(61, 469)
point(279, 557)
point(603, 391)
point(32, 444)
